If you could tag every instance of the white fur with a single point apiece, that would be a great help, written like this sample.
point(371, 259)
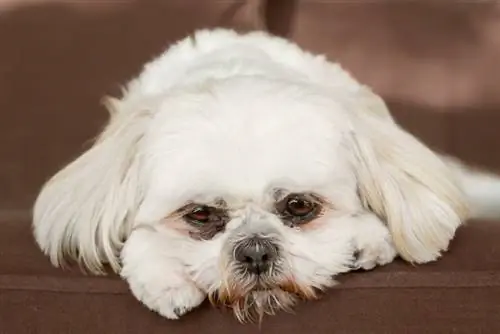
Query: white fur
point(235, 116)
point(481, 188)
point(156, 276)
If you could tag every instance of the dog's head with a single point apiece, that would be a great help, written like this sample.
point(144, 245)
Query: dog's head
point(254, 177)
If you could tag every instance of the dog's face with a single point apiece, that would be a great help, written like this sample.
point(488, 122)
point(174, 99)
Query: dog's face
point(260, 256)
point(253, 184)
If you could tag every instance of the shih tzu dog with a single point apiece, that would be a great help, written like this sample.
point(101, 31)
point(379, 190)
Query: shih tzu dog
point(241, 168)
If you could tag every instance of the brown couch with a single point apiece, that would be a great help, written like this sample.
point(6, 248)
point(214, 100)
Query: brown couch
point(437, 63)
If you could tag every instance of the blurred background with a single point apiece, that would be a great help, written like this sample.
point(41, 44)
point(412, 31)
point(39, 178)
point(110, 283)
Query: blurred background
point(436, 63)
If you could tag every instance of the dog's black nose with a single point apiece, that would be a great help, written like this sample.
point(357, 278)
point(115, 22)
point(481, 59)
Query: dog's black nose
point(256, 254)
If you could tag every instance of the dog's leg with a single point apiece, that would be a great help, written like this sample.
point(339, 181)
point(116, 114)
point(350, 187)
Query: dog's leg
point(155, 277)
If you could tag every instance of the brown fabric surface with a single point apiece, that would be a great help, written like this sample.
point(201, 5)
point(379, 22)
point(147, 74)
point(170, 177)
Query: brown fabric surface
point(58, 60)
point(458, 294)
point(437, 65)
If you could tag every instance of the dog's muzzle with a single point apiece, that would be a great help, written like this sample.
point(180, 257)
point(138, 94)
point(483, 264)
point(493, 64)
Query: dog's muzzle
point(256, 255)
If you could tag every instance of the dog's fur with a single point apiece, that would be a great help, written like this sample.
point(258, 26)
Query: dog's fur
point(238, 122)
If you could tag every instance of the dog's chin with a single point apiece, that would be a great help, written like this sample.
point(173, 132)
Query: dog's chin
point(253, 303)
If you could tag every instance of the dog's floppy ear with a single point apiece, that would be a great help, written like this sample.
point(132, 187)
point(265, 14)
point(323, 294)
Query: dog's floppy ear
point(83, 211)
point(406, 184)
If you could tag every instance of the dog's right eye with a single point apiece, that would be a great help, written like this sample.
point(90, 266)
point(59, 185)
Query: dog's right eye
point(200, 215)
point(207, 220)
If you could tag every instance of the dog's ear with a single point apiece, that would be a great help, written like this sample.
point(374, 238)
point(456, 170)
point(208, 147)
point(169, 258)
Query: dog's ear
point(83, 211)
point(406, 184)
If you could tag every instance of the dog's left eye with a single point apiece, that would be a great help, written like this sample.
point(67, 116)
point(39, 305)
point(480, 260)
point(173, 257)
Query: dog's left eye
point(298, 209)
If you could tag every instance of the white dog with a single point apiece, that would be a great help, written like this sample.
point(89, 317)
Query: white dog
point(239, 167)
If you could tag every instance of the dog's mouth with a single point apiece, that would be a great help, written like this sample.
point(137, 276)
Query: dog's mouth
point(252, 303)
point(252, 306)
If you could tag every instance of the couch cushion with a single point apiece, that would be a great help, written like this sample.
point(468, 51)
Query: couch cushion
point(460, 293)
point(59, 58)
point(435, 62)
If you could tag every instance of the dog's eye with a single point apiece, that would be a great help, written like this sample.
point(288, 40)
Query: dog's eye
point(299, 207)
point(200, 215)
point(206, 221)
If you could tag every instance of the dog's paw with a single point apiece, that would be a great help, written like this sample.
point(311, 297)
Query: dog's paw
point(156, 280)
point(170, 302)
point(176, 302)
point(373, 247)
